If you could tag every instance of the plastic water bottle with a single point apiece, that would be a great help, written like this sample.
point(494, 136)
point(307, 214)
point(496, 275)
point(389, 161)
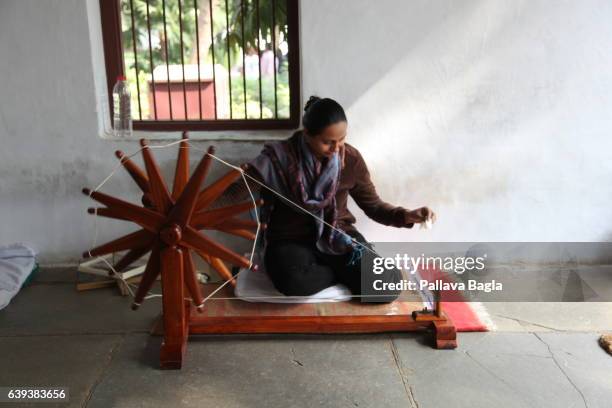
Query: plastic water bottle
point(122, 112)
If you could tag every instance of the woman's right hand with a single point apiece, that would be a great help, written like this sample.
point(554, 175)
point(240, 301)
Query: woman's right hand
point(419, 215)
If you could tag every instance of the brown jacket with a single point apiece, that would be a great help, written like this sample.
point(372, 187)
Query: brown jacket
point(289, 223)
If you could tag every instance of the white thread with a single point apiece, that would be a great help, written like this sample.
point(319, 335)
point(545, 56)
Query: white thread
point(283, 197)
point(117, 275)
point(244, 175)
point(427, 224)
point(311, 214)
point(248, 189)
point(222, 286)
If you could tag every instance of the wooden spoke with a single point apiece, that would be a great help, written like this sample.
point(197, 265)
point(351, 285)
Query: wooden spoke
point(218, 265)
point(132, 256)
point(236, 223)
point(212, 192)
point(182, 211)
point(129, 241)
point(193, 239)
point(148, 277)
point(147, 219)
point(191, 279)
point(181, 174)
point(134, 171)
point(238, 232)
point(223, 270)
point(211, 218)
point(159, 191)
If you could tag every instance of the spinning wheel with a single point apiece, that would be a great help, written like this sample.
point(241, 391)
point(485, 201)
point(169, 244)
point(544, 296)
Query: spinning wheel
point(170, 230)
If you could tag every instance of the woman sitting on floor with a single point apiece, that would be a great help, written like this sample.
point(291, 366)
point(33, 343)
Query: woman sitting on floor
point(317, 170)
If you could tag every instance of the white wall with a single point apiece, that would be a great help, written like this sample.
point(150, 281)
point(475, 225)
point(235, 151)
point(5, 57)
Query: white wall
point(494, 113)
point(497, 114)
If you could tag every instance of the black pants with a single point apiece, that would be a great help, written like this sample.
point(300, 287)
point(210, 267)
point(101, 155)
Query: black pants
point(300, 269)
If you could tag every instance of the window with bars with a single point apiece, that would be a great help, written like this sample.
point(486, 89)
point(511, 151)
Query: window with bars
point(205, 64)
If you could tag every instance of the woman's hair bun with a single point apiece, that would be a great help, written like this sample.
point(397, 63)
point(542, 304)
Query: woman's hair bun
point(320, 113)
point(311, 101)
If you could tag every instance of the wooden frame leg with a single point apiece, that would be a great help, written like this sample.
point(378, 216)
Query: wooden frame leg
point(445, 335)
point(175, 318)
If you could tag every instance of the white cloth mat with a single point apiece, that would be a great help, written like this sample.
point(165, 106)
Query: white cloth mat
point(257, 287)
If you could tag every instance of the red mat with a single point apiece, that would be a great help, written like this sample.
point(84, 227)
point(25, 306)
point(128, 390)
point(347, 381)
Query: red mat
point(460, 312)
point(463, 316)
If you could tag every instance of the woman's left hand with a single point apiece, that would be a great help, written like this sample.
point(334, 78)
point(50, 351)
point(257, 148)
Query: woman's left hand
point(419, 215)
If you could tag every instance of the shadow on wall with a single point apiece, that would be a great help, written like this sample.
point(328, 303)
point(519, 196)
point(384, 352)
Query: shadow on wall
point(469, 106)
point(401, 95)
point(442, 106)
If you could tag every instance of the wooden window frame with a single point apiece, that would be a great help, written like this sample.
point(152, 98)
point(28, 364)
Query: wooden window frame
point(110, 11)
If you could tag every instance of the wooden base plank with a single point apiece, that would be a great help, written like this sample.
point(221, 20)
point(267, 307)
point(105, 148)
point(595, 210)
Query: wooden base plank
point(303, 324)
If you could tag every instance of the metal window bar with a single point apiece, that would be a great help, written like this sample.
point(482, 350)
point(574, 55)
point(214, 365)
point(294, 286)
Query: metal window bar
point(293, 59)
point(274, 60)
point(287, 98)
point(229, 64)
point(151, 61)
point(258, 34)
point(244, 87)
point(180, 19)
point(212, 47)
point(167, 58)
point(135, 57)
point(197, 29)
